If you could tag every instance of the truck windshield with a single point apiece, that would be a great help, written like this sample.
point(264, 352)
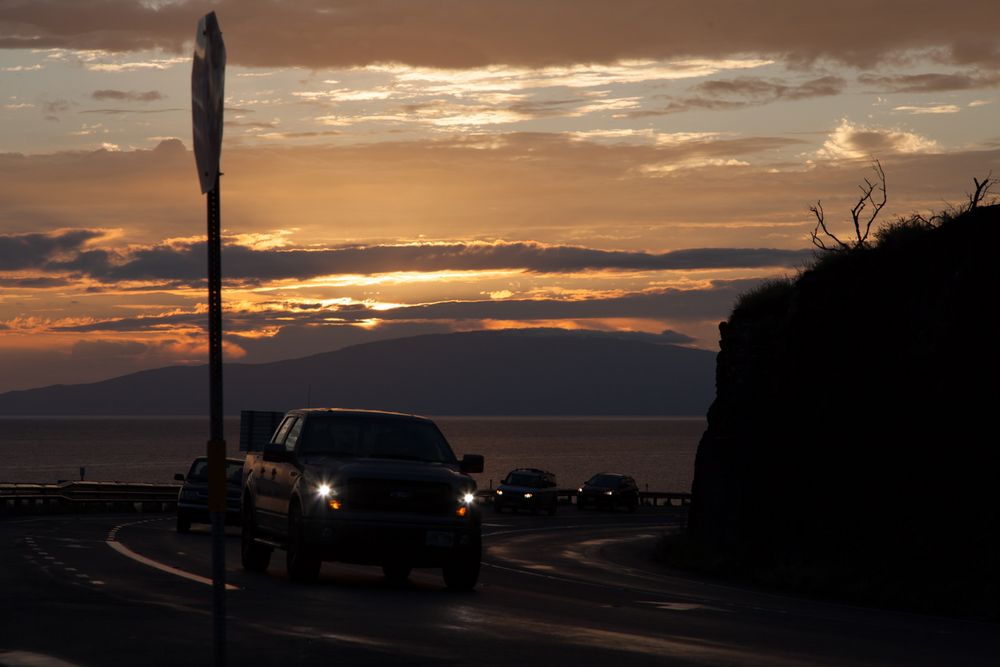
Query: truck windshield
point(371, 437)
point(527, 480)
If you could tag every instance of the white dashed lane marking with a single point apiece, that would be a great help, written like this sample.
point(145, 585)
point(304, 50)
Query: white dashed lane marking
point(50, 560)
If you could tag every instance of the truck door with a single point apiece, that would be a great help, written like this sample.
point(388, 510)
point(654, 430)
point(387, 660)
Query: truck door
point(285, 474)
point(265, 476)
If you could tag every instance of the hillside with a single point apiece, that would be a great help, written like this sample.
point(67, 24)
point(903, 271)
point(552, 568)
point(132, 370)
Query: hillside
point(548, 372)
point(848, 451)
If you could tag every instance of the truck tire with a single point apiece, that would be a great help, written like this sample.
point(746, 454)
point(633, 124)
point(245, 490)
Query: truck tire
point(462, 573)
point(254, 557)
point(302, 559)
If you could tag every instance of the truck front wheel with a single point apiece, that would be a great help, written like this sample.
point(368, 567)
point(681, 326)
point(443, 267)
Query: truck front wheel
point(303, 561)
point(254, 556)
point(462, 572)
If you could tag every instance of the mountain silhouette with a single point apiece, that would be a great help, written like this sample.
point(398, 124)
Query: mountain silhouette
point(520, 372)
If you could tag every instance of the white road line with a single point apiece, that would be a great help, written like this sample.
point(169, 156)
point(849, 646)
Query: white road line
point(139, 558)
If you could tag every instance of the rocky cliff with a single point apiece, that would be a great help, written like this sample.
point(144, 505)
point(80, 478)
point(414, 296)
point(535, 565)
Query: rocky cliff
point(851, 448)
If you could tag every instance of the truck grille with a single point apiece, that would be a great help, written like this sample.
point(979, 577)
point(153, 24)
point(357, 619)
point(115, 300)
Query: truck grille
point(388, 495)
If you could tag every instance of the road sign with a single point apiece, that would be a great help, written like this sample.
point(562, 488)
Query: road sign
point(208, 79)
point(208, 83)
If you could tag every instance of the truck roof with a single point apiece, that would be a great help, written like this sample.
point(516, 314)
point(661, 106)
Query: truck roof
point(357, 412)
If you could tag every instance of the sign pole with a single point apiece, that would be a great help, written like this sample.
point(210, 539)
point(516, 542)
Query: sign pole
point(207, 100)
point(216, 442)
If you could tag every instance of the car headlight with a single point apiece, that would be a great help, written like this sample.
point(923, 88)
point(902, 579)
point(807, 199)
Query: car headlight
point(327, 494)
point(465, 501)
point(609, 493)
point(499, 492)
point(580, 490)
point(529, 495)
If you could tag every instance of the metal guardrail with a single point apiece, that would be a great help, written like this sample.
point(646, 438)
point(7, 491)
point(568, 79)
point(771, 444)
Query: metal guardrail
point(73, 497)
point(83, 497)
point(648, 498)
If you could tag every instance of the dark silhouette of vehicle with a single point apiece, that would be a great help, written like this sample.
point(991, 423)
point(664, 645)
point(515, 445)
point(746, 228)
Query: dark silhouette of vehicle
point(192, 499)
point(608, 490)
point(527, 488)
point(365, 487)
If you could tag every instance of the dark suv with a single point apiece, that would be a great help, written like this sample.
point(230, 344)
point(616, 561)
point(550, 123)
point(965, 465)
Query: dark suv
point(527, 488)
point(608, 490)
point(366, 487)
point(192, 499)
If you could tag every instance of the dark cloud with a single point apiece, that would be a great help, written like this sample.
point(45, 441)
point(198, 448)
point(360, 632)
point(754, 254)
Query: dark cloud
point(127, 95)
point(931, 82)
point(55, 106)
point(727, 94)
point(693, 305)
point(27, 251)
point(140, 324)
point(673, 304)
point(260, 125)
point(465, 33)
point(187, 262)
point(34, 283)
point(768, 90)
point(117, 112)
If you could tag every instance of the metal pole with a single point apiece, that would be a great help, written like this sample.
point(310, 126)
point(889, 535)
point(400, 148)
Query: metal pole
point(216, 443)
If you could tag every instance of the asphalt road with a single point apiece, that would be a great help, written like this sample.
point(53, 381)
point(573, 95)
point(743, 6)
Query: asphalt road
point(577, 588)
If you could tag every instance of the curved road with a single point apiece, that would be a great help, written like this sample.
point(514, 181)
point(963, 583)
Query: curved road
point(577, 588)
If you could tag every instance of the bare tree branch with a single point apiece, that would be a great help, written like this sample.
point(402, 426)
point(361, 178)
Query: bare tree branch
point(982, 189)
point(868, 200)
point(817, 240)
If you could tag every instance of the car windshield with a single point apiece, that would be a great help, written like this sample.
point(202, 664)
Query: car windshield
point(199, 471)
point(373, 437)
point(607, 481)
point(525, 479)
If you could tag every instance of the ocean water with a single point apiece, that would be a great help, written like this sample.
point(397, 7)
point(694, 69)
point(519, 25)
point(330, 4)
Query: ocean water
point(658, 452)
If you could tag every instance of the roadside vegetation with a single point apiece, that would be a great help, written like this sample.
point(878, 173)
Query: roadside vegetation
point(844, 454)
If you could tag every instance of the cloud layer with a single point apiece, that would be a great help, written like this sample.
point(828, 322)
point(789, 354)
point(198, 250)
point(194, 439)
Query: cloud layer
point(185, 262)
point(467, 33)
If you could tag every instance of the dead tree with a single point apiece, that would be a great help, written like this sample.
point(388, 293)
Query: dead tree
point(821, 234)
point(982, 189)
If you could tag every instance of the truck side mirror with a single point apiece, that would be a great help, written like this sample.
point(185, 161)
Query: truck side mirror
point(275, 453)
point(471, 463)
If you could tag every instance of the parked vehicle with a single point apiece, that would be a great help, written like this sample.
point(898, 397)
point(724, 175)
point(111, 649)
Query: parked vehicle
point(366, 487)
point(192, 499)
point(527, 488)
point(608, 490)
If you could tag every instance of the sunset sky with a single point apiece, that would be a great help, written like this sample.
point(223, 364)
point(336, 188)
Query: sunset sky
point(414, 166)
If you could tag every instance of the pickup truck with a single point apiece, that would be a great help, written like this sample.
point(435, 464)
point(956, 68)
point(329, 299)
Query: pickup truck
point(365, 487)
